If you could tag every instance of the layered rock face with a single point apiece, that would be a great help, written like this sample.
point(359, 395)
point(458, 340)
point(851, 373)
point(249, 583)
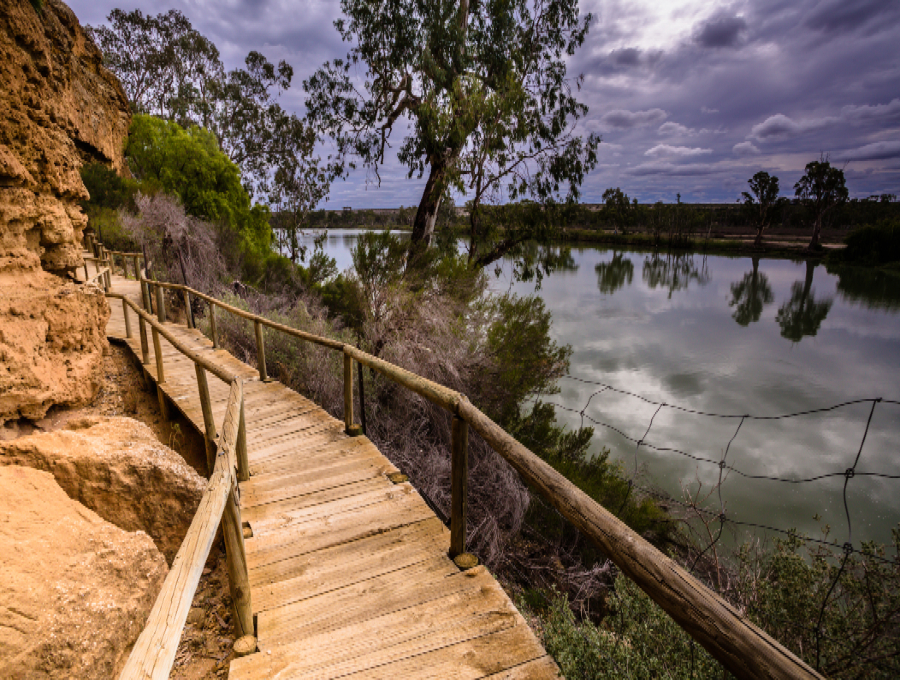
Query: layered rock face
point(76, 590)
point(58, 109)
point(117, 468)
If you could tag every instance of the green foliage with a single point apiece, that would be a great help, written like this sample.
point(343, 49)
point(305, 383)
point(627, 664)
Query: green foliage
point(38, 6)
point(783, 591)
point(636, 640)
point(619, 210)
point(106, 187)
point(871, 245)
point(189, 164)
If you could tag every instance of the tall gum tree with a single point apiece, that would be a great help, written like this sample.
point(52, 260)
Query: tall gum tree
point(480, 90)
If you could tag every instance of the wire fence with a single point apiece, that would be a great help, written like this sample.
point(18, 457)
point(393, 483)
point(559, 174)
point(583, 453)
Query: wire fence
point(715, 514)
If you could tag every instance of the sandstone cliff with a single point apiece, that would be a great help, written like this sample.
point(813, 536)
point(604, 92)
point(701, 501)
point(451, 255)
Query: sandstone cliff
point(58, 109)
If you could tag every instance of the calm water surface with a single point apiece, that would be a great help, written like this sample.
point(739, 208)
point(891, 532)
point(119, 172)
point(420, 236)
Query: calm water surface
point(732, 336)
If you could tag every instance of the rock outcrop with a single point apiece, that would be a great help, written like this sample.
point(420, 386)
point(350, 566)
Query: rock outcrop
point(58, 109)
point(52, 340)
point(117, 468)
point(76, 590)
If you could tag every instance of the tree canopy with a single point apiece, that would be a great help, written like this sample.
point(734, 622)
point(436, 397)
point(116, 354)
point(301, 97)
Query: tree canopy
point(759, 203)
point(821, 189)
point(170, 70)
point(480, 90)
point(188, 163)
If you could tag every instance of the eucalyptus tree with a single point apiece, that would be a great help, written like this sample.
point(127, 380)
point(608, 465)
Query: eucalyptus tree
point(170, 70)
point(759, 203)
point(821, 189)
point(480, 91)
point(750, 295)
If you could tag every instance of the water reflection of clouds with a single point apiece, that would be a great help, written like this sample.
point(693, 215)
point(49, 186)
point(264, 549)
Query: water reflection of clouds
point(688, 350)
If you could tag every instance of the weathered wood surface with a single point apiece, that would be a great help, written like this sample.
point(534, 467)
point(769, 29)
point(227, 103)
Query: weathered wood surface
point(348, 573)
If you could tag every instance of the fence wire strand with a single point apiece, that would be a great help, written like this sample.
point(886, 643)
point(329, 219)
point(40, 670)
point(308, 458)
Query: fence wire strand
point(726, 467)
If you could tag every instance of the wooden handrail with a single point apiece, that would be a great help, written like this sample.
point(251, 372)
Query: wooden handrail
point(154, 652)
point(742, 648)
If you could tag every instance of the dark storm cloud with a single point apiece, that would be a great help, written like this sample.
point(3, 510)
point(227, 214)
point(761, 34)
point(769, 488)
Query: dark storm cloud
point(622, 119)
point(723, 31)
point(689, 98)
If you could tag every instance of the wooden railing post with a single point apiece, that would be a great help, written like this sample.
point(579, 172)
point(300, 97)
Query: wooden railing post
point(160, 305)
point(160, 376)
point(208, 422)
point(145, 350)
point(213, 331)
point(127, 319)
point(260, 351)
point(459, 478)
point(243, 463)
point(188, 317)
point(348, 393)
point(236, 562)
point(86, 275)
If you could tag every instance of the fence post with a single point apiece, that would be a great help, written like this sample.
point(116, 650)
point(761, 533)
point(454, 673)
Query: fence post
point(212, 325)
point(145, 350)
point(127, 320)
point(188, 316)
point(459, 477)
point(236, 562)
point(348, 393)
point(137, 272)
point(261, 351)
point(160, 376)
point(160, 305)
point(86, 275)
point(362, 396)
point(208, 422)
point(243, 463)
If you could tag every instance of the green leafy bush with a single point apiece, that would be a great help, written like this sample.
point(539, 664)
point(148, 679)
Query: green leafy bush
point(873, 244)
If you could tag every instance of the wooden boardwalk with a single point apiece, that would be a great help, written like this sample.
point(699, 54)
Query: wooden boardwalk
point(349, 572)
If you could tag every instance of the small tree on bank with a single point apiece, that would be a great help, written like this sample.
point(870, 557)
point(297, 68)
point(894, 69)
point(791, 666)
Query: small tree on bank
point(619, 209)
point(821, 189)
point(759, 203)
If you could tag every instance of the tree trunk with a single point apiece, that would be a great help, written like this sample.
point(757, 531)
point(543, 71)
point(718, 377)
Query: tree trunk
point(426, 215)
point(759, 232)
point(817, 228)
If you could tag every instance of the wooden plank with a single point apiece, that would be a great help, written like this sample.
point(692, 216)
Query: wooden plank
point(338, 528)
point(544, 668)
point(256, 512)
point(358, 502)
point(324, 608)
point(255, 492)
point(466, 660)
point(296, 460)
point(476, 609)
point(348, 563)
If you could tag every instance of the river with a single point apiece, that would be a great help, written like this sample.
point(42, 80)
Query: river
point(731, 336)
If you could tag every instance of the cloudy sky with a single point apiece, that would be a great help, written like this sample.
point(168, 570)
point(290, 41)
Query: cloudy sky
point(689, 97)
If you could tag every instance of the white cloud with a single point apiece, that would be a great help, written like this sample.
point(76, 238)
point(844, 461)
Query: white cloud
point(704, 109)
point(745, 149)
point(681, 151)
point(672, 128)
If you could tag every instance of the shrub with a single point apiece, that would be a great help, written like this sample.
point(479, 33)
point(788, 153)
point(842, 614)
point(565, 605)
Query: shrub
point(875, 244)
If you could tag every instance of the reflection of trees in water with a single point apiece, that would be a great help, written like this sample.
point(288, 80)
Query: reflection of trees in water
point(750, 295)
point(613, 275)
point(532, 261)
point(802, 314)
point(871, 288)
point(674, 271)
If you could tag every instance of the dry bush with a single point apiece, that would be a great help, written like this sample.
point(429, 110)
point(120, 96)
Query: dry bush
point(181, 248)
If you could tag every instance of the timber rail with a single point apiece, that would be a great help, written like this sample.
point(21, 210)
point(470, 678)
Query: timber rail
point(742, 648)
